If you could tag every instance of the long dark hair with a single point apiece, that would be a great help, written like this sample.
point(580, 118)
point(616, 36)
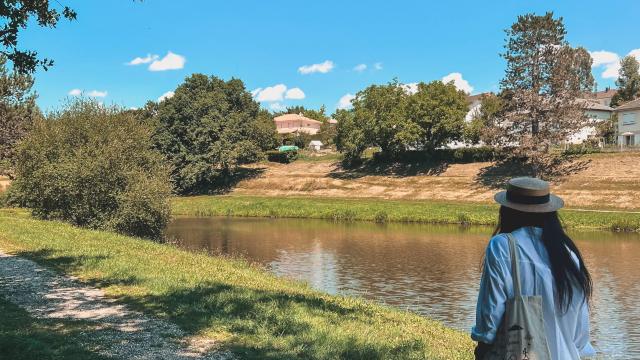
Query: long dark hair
point(566, 272)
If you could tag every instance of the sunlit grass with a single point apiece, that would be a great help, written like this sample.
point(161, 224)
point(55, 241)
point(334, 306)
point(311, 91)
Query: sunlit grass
point(378, 210)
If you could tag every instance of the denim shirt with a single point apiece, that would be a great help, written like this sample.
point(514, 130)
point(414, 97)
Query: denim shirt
point(567, 333)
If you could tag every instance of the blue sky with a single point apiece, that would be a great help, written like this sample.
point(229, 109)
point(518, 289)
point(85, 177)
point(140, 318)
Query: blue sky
point(307, 53)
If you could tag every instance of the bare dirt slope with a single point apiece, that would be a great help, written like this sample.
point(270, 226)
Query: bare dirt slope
point(609, 181)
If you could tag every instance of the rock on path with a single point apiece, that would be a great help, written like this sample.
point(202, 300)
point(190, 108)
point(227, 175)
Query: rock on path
point(119, 332)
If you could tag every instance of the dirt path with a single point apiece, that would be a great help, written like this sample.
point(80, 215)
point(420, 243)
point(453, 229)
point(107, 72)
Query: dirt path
point(117, 332)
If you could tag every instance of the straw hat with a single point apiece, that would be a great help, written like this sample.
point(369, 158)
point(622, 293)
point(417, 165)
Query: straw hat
point(529, 195)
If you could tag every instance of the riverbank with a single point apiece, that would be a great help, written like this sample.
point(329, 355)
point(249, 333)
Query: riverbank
point(382, 211)
point(609, 181)
point(245, 309)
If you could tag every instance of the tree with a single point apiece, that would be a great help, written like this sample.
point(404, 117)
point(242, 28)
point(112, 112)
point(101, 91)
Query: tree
point(350, 138)
point(18, 110)
point(543, 79)
point(628, 81)
point(438, 110)
point(381, 111)
point(482, 126)
point(209, 128)
point(16, 15)
point(608, 130)
point(94, 166)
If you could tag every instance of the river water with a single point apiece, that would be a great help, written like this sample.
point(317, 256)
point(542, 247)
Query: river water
point(432, 270)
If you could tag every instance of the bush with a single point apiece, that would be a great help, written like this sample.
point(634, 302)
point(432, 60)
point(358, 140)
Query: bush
point(284, 157)
point(582, 149)
point(460, 155)
point(94, 167)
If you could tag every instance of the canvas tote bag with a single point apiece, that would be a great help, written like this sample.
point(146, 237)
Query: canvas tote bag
point(521, 335)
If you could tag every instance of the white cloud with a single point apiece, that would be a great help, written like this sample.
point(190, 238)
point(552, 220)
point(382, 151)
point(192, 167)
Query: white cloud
point(294, 94)
point(276, 106)
point(171, 61)
point(271, 93)
point(143, 60)
point(458, 81)
point(377, 66)
point(603, 57)
point(360, 67)
point(167, 95)
point(255, 92)
point(611, 71)
point(96, 93)
point(75, 92)
point(610, 62)
point(410, 88)
point(324, 68)
point(345, 101)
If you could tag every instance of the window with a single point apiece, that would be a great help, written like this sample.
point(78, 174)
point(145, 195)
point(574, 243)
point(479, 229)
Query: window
point(628, 119)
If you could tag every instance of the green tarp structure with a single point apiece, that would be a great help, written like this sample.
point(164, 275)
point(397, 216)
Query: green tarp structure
point(284, 148)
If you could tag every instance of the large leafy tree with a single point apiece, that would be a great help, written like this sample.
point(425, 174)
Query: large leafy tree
point(208, 128)
point(381, 110)
point(16, 15)
point(18, 110)
point(543, 79)
point(438, 109)
point(628, 81)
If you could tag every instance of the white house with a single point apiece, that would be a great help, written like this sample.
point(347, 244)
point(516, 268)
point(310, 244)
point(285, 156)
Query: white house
point(315, 145)
point(596, 112)
point(629, 123)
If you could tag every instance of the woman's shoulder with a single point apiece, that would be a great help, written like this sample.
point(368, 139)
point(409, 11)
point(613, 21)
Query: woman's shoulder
point(498, 247)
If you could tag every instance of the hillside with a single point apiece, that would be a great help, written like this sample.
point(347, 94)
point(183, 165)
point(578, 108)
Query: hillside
point(609, 181)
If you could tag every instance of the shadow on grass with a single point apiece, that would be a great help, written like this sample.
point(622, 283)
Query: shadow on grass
point(225, 183)
point(23, 337)
point(398, 168)
point(265, 324)
point(498, 174)
point(70, 264)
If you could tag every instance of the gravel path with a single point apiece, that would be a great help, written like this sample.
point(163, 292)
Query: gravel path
point(119, 332)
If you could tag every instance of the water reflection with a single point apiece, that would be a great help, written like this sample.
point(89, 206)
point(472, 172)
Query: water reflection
point(432, 270)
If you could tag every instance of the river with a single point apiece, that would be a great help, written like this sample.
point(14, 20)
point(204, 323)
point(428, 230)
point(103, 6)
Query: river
point(433, 270)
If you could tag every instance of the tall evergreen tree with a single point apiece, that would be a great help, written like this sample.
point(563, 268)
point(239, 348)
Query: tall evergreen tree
point(543, 79)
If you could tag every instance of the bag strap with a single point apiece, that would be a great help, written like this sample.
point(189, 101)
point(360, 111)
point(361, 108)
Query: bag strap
point(515, 265)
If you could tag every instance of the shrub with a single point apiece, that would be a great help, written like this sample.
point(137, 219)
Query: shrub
point(284, 157)
point(94, 166)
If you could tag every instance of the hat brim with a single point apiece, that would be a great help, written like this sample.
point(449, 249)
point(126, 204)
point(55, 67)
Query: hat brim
point(554, 204)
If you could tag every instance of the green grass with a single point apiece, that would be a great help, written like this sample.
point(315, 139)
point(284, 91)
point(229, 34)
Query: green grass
point(248, 310)
point(340, 209)
point(23, 337)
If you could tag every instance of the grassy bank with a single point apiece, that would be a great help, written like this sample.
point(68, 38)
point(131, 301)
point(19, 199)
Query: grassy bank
point(341, 209)
point(251, 312)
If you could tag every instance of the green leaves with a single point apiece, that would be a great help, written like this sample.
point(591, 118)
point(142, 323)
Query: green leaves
point(209, 128)
point(15, 16)
point(389, 117)
point(96, 167)
point(628, 81)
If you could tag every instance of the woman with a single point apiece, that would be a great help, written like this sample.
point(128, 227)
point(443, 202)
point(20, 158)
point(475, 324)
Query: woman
point(550, 266)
